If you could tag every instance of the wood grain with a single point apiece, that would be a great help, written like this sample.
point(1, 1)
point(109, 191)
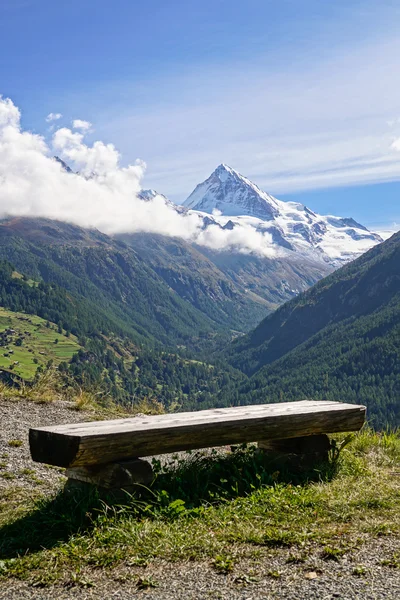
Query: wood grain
point(103, 442)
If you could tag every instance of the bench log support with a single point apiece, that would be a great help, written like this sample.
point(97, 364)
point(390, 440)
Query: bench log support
point(306, 449)
point(126, 475)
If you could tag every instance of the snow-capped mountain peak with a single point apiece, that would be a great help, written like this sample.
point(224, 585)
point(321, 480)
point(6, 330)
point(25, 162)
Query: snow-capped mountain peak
point(229, 192)
point(235, 201)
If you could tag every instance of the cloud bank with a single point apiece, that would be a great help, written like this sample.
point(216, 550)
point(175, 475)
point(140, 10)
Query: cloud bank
point(100, 193)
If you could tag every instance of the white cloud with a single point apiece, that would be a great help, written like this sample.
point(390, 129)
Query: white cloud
point(396, 145)
point(83, 125)
point(53, 117)
point(102, 195)
point(388, 231)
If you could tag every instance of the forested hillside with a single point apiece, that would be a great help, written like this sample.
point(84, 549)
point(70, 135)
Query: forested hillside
point(112, 281)
point(197, 280)
point(106, 360)
point(340, 340)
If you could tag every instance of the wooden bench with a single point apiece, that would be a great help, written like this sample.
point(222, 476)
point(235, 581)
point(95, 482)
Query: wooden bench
point(106, 453)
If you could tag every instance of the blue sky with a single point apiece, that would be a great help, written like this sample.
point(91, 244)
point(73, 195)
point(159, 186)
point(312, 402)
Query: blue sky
point(302, 96)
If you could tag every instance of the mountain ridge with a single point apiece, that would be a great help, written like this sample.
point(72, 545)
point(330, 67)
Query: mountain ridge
point(236, 202)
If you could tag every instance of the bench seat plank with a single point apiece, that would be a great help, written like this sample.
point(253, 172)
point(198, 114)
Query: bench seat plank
point(102, 442)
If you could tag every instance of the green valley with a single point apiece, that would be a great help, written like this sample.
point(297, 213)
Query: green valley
point(28, 342)
point(144, 319)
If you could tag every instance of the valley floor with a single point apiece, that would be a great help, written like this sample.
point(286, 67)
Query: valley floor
point(356, 553)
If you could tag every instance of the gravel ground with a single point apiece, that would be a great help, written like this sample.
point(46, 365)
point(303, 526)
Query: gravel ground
point(359, 574)
point(16, 417)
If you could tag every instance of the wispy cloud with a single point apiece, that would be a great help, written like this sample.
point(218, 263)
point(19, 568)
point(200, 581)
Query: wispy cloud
point(53, 117)
point(322, 123)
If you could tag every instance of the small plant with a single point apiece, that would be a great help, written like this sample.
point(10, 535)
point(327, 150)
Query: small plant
point(332, 553)
point(393, 563)
point(223, 564)
point(246, 579)
point(7, 475)
point(145, 583)
point(36, 480)
point(382, 529)
point(27, 472)
point(175, 508)
point(275, 574)
point(84, 400)
point(15, 443)
point(295, 559)
point(77, 580)
point(359, 570)
point(338, 446)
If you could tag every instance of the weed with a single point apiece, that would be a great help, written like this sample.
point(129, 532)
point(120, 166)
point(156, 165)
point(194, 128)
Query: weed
point(79, 581)
point(295, 559)
point(275, 574)
point(7, 475)
point(15, 443)
point(27, 472)
point(145, 583)
point(223, 564)
point(393, 563)
point(332, 553)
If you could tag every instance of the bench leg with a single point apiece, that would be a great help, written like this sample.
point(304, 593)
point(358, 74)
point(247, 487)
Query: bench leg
point(124, 475)
point(306, 449)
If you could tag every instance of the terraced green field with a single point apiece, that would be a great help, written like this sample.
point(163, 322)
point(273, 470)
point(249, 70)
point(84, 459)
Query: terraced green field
point(27, 341)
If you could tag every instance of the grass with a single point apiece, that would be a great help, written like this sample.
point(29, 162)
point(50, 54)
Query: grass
point(215, 507)
point(38, 344)
point(47, 387)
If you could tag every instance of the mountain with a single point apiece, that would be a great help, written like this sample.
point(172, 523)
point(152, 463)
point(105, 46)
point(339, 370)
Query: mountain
point(156, 288)
point(148, 195)
point(232, 194)
point(196, 279)
point(339, 340)
point(108, 276)
point(235, 202)
point(275, 280)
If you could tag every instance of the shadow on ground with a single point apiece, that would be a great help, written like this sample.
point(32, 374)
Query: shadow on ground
point(197, 479)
